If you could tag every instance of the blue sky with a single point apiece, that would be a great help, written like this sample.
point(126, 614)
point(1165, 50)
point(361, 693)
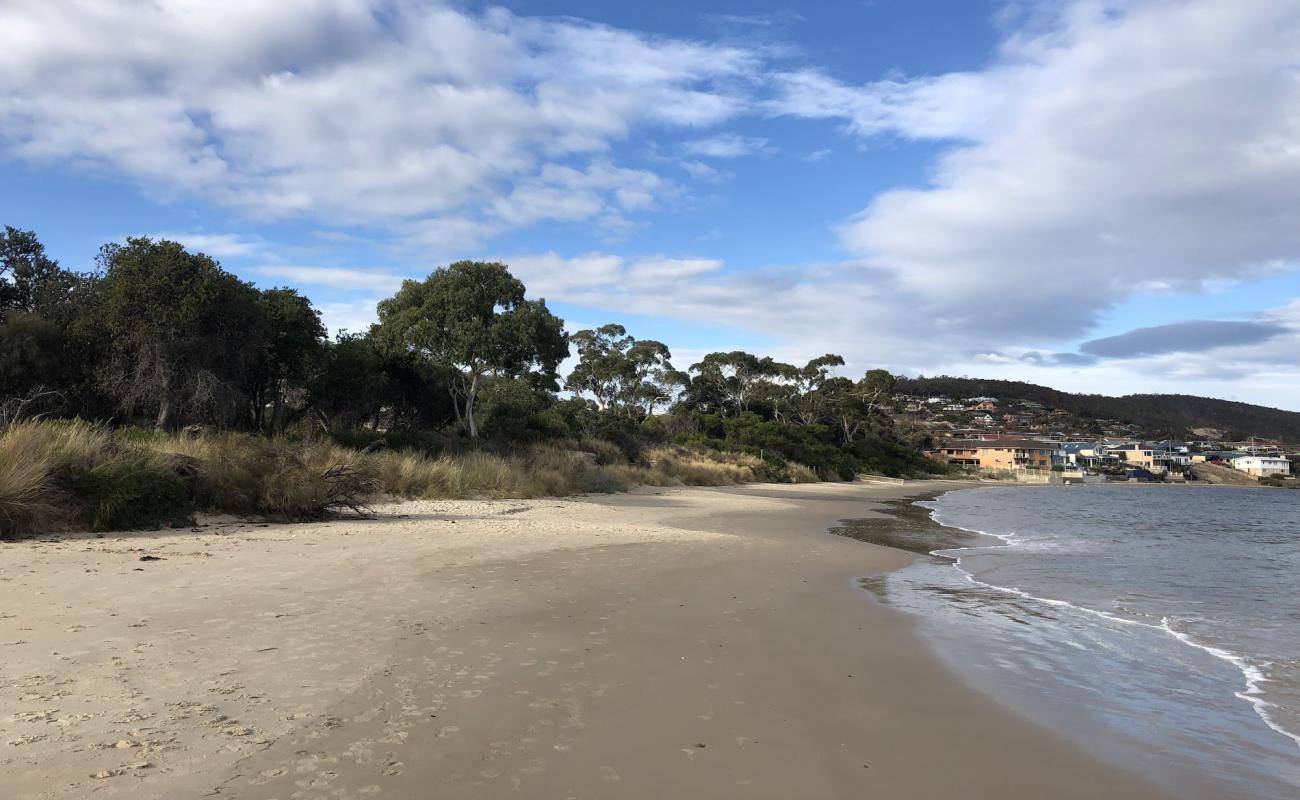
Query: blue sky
point(977, 188)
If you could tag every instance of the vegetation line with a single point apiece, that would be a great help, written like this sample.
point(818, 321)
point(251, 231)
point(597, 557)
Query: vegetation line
point(210, 394)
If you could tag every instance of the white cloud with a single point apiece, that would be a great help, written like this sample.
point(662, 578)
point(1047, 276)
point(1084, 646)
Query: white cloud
point(353, 316)
point(728, 145)
point(356, 112)
point(217, 245)
point(1111, 149)
point(331, 277)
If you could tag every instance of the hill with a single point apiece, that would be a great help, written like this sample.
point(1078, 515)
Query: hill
point(1157, 415)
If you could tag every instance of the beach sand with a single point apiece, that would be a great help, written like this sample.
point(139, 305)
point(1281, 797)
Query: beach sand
point(691, 643)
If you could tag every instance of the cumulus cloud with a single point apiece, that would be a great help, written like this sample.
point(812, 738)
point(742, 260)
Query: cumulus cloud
point(1113, 148)
point(801, 310)
point(408, 115)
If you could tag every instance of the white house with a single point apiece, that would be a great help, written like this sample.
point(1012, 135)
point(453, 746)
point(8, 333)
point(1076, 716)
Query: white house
point(1262, 466)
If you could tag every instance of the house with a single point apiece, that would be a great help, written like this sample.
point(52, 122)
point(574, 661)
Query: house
point(1086, 455)
point(1174, 454)
point(1262, 466)
point(1142, 456)
point(1225, 456)
point(983, 419)
point(999, 454)
point(985, 405)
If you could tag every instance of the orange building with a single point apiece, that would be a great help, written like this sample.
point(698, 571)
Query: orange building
point(1000, 454)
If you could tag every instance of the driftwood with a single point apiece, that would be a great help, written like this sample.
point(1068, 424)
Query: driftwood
point(349, 488)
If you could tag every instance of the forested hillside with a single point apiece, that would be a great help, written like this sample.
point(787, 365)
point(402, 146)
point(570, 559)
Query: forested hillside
point(1157, 414)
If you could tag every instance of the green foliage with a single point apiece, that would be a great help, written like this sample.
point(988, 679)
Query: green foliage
point(185, 334)
point(452, 394)
point(472, 317)
point(129, 494)
point(623, 375)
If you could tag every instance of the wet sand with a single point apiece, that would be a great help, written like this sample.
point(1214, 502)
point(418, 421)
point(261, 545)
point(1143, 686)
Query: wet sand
point(696, 643)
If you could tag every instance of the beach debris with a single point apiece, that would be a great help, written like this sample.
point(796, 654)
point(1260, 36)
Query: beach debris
point(152, 558)
point(700, 744)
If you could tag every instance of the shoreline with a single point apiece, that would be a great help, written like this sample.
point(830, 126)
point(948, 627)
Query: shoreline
point(1251, 675)
point(928, 532)
point(698, 642)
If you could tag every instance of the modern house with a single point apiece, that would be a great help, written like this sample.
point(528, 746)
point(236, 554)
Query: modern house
point(1086, 455)
point(1262, 466)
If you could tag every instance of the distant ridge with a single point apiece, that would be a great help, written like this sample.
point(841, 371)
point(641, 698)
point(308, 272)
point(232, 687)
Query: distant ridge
point(1173, 415)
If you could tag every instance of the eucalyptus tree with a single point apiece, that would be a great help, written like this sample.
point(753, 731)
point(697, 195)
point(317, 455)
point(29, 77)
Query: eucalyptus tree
point(730, 380)
point(604, 371)
point(853, 405)
point(808, 381)
point(472, 318)
point(622, 373)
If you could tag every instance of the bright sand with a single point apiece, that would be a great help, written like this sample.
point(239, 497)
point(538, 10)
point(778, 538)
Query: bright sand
point(687, 643)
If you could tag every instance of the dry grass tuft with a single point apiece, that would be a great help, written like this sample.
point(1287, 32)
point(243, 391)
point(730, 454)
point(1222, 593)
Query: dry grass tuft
point(75, 474)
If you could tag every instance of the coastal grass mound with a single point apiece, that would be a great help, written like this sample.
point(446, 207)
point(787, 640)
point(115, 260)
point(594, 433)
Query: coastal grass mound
point(76, 475)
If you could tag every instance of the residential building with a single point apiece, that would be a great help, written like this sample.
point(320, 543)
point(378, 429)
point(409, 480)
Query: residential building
point(1142, 456)
point(1262, 466)
point(1086, 455)
point(998, 454)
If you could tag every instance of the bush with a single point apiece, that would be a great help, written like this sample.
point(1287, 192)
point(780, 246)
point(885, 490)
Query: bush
point(129, 494)
point(73, 474)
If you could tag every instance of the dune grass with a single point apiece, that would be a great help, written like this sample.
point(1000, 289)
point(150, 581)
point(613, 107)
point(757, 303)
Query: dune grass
point(57, 475)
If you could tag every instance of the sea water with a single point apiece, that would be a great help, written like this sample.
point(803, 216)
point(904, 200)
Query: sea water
point(1157, 626)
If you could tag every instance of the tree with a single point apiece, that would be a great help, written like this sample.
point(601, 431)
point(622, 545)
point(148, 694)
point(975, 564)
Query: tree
point(471, 316)
point(604, 370)
point(622, 373)
point(184, 333)
point(24, 271)
point(33, 283)
point(845, 406)
point(295, 337)
point(853, 404)
point(31, 356)
point(729, 380)
point(350, 385)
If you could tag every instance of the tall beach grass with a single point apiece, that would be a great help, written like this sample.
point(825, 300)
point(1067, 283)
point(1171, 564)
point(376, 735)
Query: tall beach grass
point(57, 475)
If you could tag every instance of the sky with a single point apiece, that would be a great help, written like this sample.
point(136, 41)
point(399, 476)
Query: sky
point(1096, 196)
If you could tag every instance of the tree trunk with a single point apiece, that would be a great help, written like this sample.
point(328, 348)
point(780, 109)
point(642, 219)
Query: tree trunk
point(164, 419)
point(470, 396)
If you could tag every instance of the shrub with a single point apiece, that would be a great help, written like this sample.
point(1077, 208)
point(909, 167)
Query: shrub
point(129, 493)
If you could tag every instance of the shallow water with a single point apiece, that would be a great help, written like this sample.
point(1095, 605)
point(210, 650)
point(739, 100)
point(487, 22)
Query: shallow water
point(1160, 626)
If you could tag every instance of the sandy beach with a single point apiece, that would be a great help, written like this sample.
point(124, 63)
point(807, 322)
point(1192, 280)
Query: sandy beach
point(704, 643)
